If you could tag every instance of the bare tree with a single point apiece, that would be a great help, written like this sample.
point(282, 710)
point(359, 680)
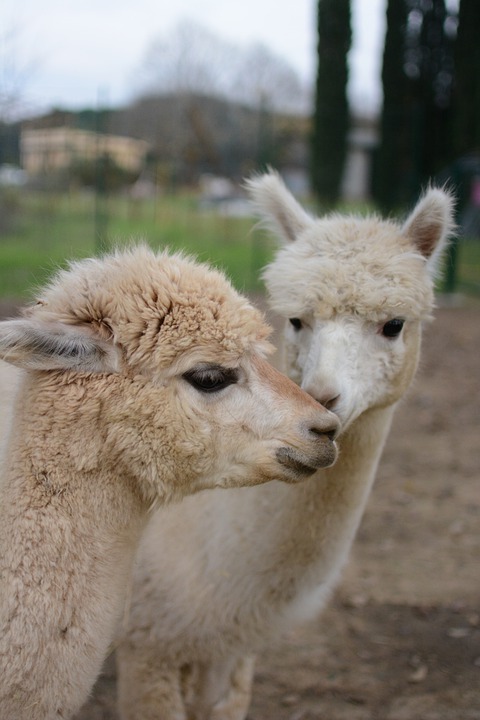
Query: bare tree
point(15, 70)
point(192, 59)
point(264, 78)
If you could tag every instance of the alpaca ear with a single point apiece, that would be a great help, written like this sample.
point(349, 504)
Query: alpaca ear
point(277, 207)
point(34, 344)
point(430, 224)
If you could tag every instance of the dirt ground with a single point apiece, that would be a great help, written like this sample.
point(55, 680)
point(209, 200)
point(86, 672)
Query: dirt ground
point(400, 639)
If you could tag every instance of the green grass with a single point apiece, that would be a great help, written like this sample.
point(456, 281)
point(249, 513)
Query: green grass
point(468, 267)
point(47, 231)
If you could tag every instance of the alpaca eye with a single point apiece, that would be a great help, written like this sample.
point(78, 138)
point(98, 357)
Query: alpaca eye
point(297, 323)
point(393, 328)
point(211, 378)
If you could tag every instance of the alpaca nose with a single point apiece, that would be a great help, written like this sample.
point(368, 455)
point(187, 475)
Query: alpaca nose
point(331, 433)
point(330, 401)
point(328, 396)
point(328, 427)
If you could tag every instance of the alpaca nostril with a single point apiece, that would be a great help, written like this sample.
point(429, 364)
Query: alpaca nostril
point(330, 431)
point(329, 402)
point(332, 434)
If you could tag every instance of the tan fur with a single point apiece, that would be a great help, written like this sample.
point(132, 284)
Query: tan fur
point(246, 565)
point(107, 424)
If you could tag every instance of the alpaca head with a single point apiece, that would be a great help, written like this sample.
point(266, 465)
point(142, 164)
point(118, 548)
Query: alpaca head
point(172, 358)
point(354, 292)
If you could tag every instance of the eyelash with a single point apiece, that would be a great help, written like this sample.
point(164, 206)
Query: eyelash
point(211, 379)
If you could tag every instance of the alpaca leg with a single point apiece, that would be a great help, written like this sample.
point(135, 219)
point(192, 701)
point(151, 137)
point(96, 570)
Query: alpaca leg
point(219, 690)
point(234, 705)
point(146, 689)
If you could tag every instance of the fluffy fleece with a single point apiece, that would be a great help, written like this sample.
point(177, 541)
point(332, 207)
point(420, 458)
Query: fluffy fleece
point(354, 293)
point(142, 380)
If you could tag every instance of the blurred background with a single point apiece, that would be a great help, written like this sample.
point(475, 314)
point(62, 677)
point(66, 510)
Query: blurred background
point(122, 121)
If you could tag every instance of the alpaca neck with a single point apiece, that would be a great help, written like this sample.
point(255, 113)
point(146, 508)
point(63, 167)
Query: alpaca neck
point(67, 537)
point(316, 521)
point(361, 446)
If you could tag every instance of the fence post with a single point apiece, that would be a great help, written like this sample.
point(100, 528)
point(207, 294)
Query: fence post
point(101, 162)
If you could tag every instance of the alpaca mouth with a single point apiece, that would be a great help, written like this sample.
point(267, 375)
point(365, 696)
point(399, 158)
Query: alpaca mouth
point(293, 460)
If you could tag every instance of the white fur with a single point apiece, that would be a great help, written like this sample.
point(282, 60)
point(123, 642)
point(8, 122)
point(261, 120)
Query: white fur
point(106, 424)
point(244, 566)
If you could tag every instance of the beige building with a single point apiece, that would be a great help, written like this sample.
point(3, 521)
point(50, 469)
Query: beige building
point(52, 149)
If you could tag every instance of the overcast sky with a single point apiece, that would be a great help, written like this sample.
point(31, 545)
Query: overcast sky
point(85, 50)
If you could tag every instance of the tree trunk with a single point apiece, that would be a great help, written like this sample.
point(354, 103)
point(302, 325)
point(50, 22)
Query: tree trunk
point(331, 115)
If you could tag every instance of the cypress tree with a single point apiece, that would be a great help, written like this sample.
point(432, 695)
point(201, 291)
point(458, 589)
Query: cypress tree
point(464, 171)
point(433, 89)
point(466, 122)
point(393, 161)
point(417, 78)
point(331, 114)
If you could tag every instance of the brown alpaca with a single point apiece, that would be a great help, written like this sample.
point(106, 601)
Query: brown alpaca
point(143, 380)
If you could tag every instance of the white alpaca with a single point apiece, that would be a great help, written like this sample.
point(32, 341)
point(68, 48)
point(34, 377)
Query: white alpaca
point(143, 380)
point(354, 293)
